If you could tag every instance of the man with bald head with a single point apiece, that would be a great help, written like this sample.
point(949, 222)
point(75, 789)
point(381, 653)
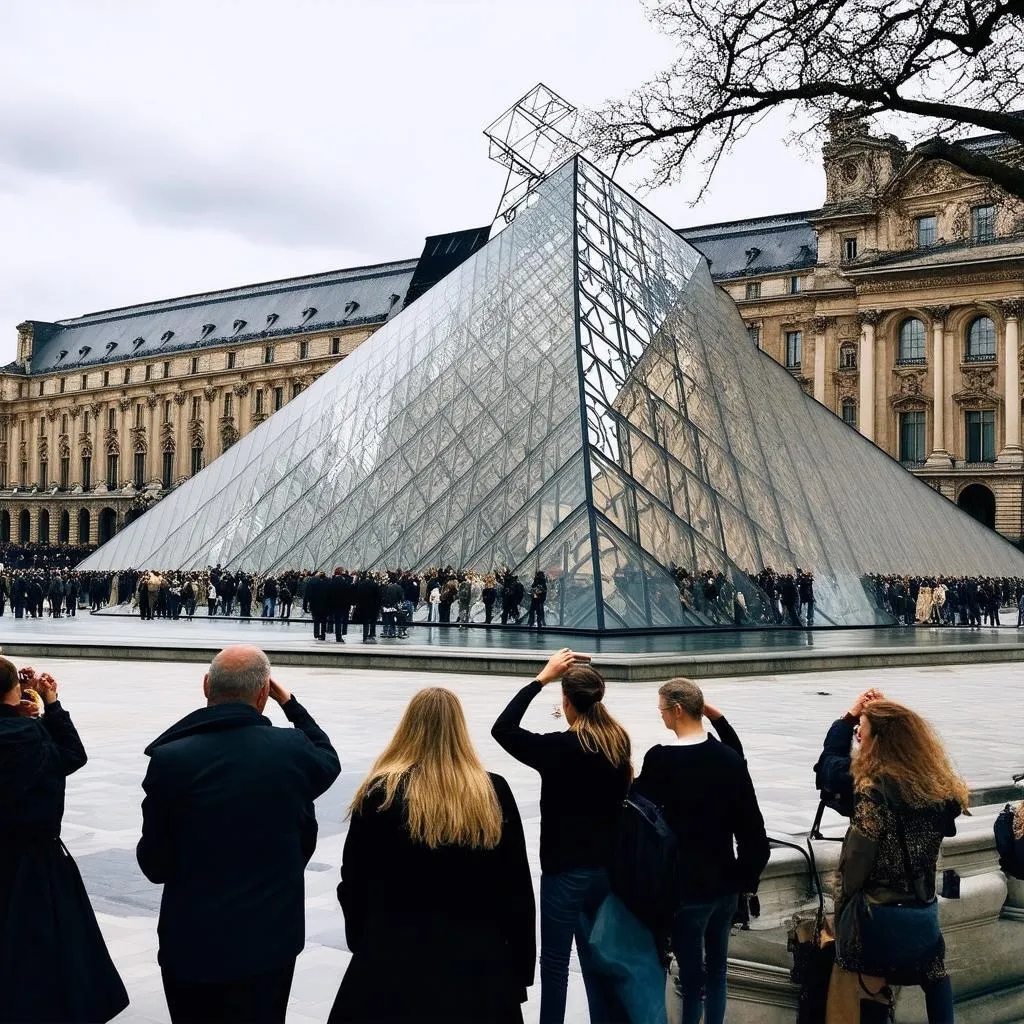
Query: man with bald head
point(228, 826)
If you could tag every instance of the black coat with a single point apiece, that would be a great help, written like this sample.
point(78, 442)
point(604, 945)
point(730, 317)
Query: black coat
point(45, 914)
point(460, 921)
point(367, 598)
point(318, 596)
point(340, 594)
point(228, 827)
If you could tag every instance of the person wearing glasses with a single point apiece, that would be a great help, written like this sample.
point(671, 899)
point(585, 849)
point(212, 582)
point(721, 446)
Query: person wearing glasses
point(708, 800)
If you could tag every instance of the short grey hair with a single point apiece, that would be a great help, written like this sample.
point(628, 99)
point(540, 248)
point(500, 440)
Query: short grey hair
point(238, 673)
point(685, 694)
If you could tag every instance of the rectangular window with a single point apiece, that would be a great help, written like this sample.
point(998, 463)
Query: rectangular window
point(303, 349)
point(138, 414)
point(167, 412)
point(111, 420)
point(112, 471)
point(44, 468)
point(850, 412)
point(278, 398)
point(64, 423)
point(754, 334)
point(231, 360)
point(167, 368)
point(925, 231)
point(794, 286)
point(258, 401)
point(86, 472)
point(85, 422)
point(752, 290)
point(268, 354)
point(196, 407)
point(848, 357)
point(229, 405)
point(24, 474)
point(197, 460)
point(335, 346)
point(149, 372)
point(42, 387)
point(168, 470)
point(65, 472)
point(62, 385)
point(981, 436)
point(140, 470)
point(85, 381)
point(21, 390)
point(849, 249)
point(983, 223)
point(193, 366)
point(3, 475)
point(127, 375)
point(794, 349)
point(296, 389)
point(912, 437)
point(42, 426)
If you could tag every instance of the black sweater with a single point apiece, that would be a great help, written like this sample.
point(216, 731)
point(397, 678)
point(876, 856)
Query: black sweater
point(708, 799)
point(581, 793)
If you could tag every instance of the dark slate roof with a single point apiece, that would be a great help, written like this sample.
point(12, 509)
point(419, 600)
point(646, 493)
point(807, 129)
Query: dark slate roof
point(317, 302)
point(761, 245)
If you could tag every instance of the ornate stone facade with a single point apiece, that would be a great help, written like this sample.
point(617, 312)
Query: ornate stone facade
point(910, 312)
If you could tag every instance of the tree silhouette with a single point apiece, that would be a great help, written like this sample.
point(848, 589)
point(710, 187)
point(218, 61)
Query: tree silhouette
point(953, 67)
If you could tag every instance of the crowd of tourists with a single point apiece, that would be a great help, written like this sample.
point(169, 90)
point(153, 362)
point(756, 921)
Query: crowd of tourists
point(43, 556)
point(948, 601)
point(435, 869)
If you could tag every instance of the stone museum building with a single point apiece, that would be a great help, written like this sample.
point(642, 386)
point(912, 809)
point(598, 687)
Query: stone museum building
point(896, 304)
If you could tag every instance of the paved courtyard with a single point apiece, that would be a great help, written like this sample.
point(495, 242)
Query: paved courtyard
point(118, 707)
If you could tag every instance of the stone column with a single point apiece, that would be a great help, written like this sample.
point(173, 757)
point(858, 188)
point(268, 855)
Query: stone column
point(939, 456)
point(1012, 453)
point(867, 319)
point(819, 325)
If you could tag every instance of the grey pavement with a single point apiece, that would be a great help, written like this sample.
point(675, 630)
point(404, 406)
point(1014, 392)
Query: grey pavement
point(119, 706)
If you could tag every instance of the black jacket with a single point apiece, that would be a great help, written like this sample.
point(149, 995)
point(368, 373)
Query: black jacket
point(228, 827)
point(461, 921)
point(581, 792)
point(45, 913)
point(708, 801)
point(832, 772)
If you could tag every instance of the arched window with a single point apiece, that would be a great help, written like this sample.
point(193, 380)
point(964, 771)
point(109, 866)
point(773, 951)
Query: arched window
point(43, 529)
point(981, 340)
point(847, 357)
point(849, 411)
point(911, 342)
point(83, 526)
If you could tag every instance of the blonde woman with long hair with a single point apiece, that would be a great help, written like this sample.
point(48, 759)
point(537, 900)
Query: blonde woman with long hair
point(435, 883)
point(907, 797)
point(585, 773)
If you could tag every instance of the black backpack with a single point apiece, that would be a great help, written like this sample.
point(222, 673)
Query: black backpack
point(643, 869)
point(1010, 859)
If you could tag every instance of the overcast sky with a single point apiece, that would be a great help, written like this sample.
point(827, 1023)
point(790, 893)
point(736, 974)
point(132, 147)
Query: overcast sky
point(155, 149)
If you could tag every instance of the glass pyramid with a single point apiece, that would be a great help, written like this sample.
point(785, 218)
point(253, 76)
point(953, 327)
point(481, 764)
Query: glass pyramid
point(577, 397)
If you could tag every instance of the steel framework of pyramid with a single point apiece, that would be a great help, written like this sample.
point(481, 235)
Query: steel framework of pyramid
point(576, 397)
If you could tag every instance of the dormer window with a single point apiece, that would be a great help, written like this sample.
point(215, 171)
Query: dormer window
point(166, 337)
point(238, 325)
point(138, 343)
point(752, 254)
point(61, 354)
point(272, 319)
point(308, 313)
point(395, 299)
point(84, 351)
point(350, 307)
point(849, 249)
point(208, 329)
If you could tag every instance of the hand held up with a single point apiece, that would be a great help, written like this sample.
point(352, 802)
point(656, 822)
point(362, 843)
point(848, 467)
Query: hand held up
point(559, 663)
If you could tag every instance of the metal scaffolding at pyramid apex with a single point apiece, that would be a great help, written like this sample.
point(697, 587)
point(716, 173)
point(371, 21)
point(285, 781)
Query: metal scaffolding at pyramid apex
point(530, 139)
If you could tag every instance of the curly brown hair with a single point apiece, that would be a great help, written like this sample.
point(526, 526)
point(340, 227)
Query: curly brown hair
point(905, 752)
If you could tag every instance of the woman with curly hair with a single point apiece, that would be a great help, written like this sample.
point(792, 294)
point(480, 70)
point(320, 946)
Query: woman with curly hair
point(907, 796)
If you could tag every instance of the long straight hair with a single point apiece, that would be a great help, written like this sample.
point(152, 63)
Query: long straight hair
point(583, 687)
point(449, 798)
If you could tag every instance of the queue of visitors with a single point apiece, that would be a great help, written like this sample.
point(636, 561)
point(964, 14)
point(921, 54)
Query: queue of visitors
point(435, 867)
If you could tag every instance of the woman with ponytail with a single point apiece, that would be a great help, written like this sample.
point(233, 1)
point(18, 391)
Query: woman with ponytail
point(585, 773)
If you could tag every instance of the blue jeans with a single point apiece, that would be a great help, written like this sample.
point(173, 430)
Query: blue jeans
point(268, 607)
point(568, 903)
point(700, 941)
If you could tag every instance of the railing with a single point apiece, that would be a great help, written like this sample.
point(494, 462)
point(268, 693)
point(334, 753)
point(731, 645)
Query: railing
point(979, 357)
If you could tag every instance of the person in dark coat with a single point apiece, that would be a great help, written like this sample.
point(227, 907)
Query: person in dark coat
point(435, 866)
point(35, 598)
point(244, 595)
point(538, 596)
point(71, 595)
point(318, 595)
point(340, 602)
point(46, 921)
point(228, 827)
point(367, 602)
point(19, 596)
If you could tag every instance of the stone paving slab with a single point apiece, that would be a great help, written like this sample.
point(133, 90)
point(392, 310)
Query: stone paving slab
point(119, 706)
